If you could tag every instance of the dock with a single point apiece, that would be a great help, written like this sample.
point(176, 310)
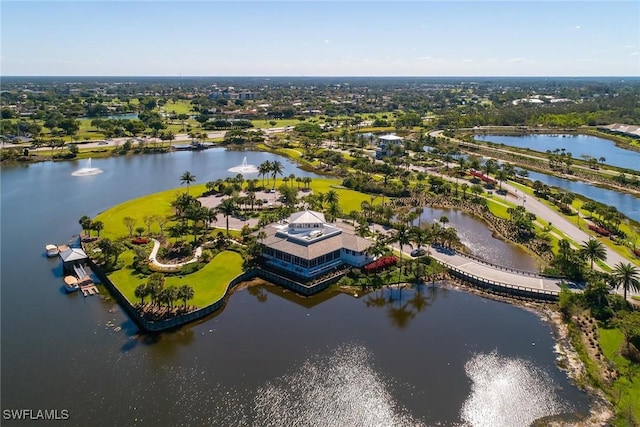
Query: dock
point(89, 289)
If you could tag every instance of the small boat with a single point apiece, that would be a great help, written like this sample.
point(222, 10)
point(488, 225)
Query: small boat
point(52, 250)
point(71, 283)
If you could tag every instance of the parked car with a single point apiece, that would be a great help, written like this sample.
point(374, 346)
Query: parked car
point(418, 252)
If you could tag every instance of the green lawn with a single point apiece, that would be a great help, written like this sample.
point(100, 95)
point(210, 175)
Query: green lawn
point(626, 388)
point(264, 124)
point(152, 204)
point(209, 283)
point(177, 106)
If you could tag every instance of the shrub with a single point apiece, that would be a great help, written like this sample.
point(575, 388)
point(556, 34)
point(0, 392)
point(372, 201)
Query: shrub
point(380, 264)
point(140, 241)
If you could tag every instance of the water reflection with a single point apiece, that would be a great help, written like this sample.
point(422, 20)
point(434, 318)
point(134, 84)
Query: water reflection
point(403, 303)
point(342, 388)
point(503, 387)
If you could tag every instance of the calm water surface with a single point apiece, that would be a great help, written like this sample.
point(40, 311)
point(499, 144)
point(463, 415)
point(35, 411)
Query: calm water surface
point(577, 145)
point(626, 203)
point(476, 236)
point(270, 358)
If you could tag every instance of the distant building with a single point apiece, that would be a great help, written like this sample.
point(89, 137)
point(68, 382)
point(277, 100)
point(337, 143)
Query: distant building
point(388, 144)
point(243, 96)
point(629, 130)
point(306, 246)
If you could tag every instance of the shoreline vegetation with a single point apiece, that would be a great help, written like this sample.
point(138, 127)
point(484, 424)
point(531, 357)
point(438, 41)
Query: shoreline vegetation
point(588, 327)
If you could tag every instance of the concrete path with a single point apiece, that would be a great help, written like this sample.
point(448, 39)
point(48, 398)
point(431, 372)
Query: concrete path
point(154, 252)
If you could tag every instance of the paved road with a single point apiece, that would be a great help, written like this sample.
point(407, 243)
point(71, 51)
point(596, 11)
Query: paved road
point(532, 204)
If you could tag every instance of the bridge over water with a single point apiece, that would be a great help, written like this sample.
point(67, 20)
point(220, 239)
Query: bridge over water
point(494, 277)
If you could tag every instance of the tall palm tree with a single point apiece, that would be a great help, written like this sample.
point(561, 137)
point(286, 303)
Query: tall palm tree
point(187, 178)
point(85, 223)
point(593, 250)
point(185, 292)
point(403, 237)
point(141, 291)
point(227, 208)
point(263, 170)
point(276, 169)
point(627, 276)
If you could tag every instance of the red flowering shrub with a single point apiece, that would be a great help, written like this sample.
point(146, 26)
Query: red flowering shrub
point(380, 264)
point(140, 241)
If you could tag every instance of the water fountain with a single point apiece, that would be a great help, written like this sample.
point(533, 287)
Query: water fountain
point(87, 171)
point(244, 167)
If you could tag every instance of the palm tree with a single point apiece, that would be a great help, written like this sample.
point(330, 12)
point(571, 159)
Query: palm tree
point(185, 292)
point(263, 169)
point(627, 276)
point(331, 197)
point(141, 291)
point(227, 208)
point(97, 225)
point(187, 178)
point(593, 250)
point(85, 223)
point(403, 237)
point(276, 169)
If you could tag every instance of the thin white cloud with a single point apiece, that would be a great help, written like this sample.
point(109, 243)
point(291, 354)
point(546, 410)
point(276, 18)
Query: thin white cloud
point(629, 46)
point(576, 28)
point(468, 60)
point(636, 53)
point(424, 58)
point(516, 60)
point(327, 41)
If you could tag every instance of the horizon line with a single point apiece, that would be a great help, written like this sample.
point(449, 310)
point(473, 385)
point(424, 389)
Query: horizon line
point(321, 76)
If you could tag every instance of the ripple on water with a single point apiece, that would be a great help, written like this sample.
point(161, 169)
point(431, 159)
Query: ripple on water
point(508, 392)
point(341, 389)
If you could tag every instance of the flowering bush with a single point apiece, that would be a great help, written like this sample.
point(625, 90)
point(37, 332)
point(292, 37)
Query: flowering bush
point(140, 241)
point(381, 264)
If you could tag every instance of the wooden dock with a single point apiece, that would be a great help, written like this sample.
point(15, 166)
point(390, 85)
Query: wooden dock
point(89, 289)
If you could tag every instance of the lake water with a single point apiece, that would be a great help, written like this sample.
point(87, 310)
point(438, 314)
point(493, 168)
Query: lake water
point(577, 145)
point(476, 236)
point(270, 357)
point(626, 203)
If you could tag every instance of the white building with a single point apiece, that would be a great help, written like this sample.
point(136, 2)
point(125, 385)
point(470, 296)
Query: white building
point(386, 144)
point(307, 247)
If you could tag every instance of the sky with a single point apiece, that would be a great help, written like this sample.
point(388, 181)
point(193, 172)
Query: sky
point(320, 38)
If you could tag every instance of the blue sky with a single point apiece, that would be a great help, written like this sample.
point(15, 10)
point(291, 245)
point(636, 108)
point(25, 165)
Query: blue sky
point(321, 38)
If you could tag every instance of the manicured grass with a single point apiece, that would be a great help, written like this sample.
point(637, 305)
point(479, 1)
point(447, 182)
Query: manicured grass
point(349, 200)
point(178, 106)
point(152, 204)
point(262, 124)
point(209, 283)
point(499, 207)
point(626, 389)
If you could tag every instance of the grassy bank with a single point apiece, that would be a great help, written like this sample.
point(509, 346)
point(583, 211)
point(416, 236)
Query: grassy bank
point(625, 390)
point(209, 283)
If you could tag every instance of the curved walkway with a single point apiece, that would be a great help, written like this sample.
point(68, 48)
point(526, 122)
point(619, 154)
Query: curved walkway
point(154, 261)
point(495, 274)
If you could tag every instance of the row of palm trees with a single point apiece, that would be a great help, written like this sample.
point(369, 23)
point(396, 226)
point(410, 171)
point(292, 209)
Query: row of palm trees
point(624, 275)
point(160, 295)
point(268, 167)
